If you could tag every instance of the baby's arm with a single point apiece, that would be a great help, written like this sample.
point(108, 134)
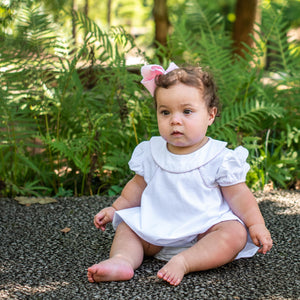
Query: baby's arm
point(130, 197)
point(244, 205)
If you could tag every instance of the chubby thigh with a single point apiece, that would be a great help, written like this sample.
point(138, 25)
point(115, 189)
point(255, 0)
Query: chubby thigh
point(228, 229)
point(228, 236)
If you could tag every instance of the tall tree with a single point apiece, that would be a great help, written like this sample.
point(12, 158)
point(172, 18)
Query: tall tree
point(246, 14)
point(74, 8)
point(160, 13)
point(86, 7)
point(108, 18)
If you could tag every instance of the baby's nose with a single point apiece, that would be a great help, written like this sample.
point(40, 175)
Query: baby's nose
point(176, 119)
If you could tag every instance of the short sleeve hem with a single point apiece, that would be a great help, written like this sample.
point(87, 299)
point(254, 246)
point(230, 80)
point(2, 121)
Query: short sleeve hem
point(234, 167)
point(142, 162)
point(137, 158)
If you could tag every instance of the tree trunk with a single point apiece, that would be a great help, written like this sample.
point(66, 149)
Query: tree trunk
point(86, 8)
point(160, 13)
point(74, 8)
point(108, 12)
point(245, 19)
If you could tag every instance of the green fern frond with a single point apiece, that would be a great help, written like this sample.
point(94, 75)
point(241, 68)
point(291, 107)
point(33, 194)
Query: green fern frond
point(203, 19)
point(245, 117)
point(274, 34)
point(111, 46)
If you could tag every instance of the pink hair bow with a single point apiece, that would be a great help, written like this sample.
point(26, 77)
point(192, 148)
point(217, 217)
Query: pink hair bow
point(149, 72)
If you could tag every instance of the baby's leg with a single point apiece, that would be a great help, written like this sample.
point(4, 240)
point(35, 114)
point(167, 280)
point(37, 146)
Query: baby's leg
point(126, 255)
point(218, 246)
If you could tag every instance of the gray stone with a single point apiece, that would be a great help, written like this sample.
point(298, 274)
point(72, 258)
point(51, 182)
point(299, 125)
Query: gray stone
point(38, 261)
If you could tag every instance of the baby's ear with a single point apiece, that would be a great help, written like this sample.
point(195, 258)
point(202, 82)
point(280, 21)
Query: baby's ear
point(212, 114)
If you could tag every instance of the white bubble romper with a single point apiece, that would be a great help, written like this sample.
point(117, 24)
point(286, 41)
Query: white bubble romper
point(183, 198)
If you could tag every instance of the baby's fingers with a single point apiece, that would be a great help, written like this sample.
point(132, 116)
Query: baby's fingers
point(266, 245)
point(103, 217)
point(103, 227)
point(99, 220)
point(261, 237)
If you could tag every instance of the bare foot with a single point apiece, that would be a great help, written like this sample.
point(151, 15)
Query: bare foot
point(173, 271)
point(113, 269)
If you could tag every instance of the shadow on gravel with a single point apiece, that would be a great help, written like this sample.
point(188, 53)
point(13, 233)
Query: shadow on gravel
point(39, 261)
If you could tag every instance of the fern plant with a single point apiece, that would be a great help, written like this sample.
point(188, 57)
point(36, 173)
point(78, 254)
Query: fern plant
point(22, 75)
point(75, 117)
point(250, 106)
point(71, 115)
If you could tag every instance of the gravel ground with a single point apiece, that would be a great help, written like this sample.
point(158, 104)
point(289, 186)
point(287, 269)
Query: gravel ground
point(39, 261)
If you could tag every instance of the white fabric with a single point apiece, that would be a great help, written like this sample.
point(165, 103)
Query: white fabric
point(183, 197)
point(166, 253)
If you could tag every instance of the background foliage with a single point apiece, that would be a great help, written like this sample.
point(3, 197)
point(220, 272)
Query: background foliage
point(71, 114)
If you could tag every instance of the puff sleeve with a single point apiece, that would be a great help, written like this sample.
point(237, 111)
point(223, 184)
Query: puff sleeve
point(234, 167)
point(141, 161)
point(137, 157)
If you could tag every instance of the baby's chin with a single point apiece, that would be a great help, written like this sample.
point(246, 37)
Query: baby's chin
point(180, 148)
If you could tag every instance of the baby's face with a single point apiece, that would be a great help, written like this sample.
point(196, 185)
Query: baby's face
point(183, 118)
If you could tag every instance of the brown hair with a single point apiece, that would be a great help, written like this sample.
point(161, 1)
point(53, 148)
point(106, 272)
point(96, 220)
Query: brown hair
point(194, 77)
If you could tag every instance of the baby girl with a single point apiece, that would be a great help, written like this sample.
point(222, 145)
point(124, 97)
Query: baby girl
point(188, 202)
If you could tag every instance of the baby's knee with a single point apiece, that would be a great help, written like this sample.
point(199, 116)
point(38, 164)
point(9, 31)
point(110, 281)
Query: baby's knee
point(239, 235)
point(234, 234)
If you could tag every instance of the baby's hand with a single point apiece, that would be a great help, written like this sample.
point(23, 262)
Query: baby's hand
point(103, 217)
point(261, 237)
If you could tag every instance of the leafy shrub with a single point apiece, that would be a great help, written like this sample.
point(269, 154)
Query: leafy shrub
point(259, 106)
point(71, 116)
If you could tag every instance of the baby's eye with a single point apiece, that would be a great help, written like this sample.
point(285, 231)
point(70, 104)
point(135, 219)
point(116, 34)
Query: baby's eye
point(165, 112)
point(187, 111)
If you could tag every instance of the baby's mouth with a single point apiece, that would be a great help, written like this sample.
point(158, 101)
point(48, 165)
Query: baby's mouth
point(176, 133)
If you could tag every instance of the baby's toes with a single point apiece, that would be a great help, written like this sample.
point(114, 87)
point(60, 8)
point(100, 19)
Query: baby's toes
point(90, 277)
point(175, 281)
point(161, 274)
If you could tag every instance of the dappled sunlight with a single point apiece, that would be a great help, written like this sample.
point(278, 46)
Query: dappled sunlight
point(38, 261)
point(30, 290)
point(277, 203)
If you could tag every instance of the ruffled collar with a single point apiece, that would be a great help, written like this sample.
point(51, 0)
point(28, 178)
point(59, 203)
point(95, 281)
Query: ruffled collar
point(175, 163)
